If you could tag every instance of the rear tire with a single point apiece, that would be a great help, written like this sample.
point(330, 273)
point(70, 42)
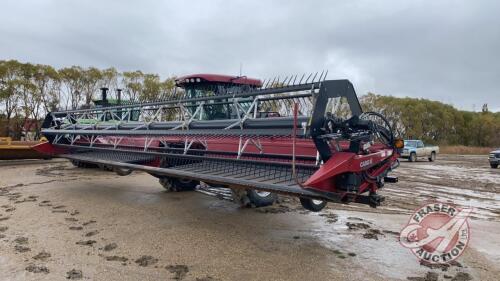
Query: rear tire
point(178, 185)
point(261, 198)
point(433, 157)
point(312, 205)
point(494, 166)
point(413, 157)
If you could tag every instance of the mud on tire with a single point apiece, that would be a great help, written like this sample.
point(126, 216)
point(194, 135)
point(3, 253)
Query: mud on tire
point(176, 184)
point(312, 205)
point(247, 198)
point(432, 158)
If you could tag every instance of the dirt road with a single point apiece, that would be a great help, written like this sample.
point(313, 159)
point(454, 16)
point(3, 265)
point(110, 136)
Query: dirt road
point(59, 222)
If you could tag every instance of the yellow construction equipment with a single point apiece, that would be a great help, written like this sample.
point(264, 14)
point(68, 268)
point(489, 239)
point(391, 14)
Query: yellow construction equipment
point(10, 150)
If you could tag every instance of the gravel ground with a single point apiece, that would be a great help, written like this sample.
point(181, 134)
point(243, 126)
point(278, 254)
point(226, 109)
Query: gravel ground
point(58, 222)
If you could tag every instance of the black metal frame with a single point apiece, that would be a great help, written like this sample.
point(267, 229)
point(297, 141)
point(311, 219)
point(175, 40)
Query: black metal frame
point(331, 89)
point(65, 125)
point(223, 181)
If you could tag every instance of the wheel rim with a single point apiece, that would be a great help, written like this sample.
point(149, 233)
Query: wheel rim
point(317, 202)
point(262, 193)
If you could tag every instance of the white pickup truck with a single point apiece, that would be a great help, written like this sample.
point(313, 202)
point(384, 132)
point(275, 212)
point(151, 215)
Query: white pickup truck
point(495, 158)
point(415, 149)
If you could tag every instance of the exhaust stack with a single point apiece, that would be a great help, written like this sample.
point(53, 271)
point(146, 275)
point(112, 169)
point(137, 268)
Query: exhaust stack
point(104, 94)
point(119, 94)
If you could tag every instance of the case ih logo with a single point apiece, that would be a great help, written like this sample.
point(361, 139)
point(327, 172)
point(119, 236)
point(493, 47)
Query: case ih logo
point(437, 232)
point(365, 163)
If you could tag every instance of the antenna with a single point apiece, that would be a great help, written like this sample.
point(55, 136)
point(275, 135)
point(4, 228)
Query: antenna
point(241, 68)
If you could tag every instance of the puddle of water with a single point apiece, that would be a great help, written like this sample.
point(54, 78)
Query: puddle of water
point(455, 172)
point(486, 204)
point(384, 256)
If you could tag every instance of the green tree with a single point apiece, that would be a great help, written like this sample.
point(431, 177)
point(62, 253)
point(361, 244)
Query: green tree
point(72, 82)
point(109, 79)
point(91, 79)
point(49, 85)
point(30, 98)
point(132, 81)
point(151, 88)
point(9, 95)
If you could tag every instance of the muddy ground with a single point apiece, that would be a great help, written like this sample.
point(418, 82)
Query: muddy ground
point(58, 222)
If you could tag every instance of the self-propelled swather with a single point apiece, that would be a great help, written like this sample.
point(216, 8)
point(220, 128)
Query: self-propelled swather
point(259, 140)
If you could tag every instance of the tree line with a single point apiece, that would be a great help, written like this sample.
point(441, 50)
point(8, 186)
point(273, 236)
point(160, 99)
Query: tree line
point(436, 122)
point(29, 91)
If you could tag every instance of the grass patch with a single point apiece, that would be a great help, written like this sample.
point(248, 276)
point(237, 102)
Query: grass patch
point(468, 150)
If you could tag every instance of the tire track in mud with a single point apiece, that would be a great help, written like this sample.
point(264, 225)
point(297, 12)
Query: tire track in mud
point(21, 244)
point(82, 229)
point(467, 184)
point(109, 251)
point(374, 234)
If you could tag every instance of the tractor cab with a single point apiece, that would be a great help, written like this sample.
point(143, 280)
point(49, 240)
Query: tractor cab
point(209, 85)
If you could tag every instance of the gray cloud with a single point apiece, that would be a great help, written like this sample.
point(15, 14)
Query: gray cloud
point(442, 50)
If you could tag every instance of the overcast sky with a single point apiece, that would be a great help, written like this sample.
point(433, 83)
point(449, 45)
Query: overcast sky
point(441, 50)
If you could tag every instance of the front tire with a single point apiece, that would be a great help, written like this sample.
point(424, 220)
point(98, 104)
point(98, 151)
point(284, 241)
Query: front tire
point(312, 205)
point(494, 166)
point(178, 185)
point(261, 198)
point(433, 157)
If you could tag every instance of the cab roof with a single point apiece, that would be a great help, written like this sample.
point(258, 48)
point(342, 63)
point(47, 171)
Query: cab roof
point(217, 78)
